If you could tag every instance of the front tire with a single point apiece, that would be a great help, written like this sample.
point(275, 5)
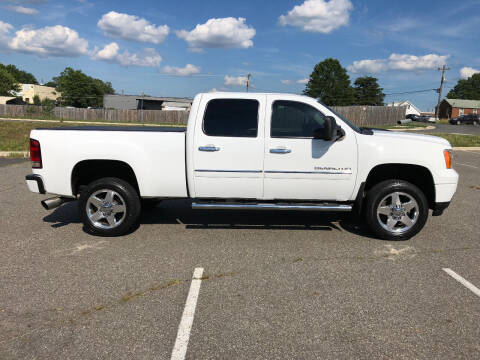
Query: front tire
point(396, 210)
point(109, 207)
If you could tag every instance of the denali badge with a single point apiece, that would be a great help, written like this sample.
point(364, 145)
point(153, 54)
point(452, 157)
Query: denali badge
point(333, 170)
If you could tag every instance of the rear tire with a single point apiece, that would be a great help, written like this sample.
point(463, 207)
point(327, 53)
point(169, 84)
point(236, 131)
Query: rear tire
point(396, 210)
point(109, 207)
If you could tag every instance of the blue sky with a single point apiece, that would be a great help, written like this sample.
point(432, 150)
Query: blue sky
point(180, 48)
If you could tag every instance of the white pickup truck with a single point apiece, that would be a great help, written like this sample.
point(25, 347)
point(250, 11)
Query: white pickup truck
point(246, 151)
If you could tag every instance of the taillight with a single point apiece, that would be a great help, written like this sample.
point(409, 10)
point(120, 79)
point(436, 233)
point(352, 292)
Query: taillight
point(35, 154)
point(447, 154)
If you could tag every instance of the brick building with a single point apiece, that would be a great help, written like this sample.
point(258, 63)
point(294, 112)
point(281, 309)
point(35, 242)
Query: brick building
point(451, 108)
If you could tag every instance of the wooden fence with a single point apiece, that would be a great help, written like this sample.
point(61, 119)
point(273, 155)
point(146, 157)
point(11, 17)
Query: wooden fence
point(359, 115)
point(372, 115)
point(101, 115)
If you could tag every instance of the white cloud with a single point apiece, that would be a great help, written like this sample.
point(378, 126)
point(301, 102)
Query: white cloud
point(131, 27)
point(219, 33)
point(319, 15)
point(286, 82)
point(49, 41)
point(303, 81)
point(23, 10)
point(412, 62)
point(213, 90)
point(235, 80)
point(188, 70)
point(467, 72)
point(110, 53)
point(405, 62)
point(368, 66)
point(4, 32)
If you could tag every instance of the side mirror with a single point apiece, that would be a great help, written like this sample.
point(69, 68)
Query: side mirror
point(329, 131)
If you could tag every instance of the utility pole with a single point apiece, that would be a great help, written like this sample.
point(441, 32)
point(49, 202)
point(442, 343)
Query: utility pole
point(143, 95)
point(248, 81)
point(442, 69)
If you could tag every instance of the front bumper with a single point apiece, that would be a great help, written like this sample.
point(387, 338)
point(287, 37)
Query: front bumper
point(35, 183)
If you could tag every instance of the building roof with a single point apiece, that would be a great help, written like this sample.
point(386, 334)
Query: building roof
point(465, 104)
point(154, 98)
point(404, 103)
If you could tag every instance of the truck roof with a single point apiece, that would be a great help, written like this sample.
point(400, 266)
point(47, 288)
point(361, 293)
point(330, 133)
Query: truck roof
point(239, 93)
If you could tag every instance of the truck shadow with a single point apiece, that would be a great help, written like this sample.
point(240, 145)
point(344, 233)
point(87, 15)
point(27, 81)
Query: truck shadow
point(180, 212)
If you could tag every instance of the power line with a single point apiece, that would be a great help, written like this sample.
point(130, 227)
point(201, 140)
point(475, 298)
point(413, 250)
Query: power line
point(411, 92)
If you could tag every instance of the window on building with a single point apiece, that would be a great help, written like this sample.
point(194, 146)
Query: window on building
point(295, 119)
point(231, 118)
point(461, 111)
point(475, 111)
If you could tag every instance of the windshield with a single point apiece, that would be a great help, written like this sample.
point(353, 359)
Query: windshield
point(353, 126)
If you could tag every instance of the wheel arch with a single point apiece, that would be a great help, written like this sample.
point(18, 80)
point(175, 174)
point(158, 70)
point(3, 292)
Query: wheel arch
point(86, 171)
point(418, 175)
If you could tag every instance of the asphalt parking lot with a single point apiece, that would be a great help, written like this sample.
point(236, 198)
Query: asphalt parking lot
point(454, 129)
point(274, 285)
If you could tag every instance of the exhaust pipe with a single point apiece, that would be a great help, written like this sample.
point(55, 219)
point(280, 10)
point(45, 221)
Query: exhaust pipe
point(52, 203)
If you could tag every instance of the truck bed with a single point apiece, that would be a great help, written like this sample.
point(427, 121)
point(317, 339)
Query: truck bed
point(120, 128)
point(155, 154)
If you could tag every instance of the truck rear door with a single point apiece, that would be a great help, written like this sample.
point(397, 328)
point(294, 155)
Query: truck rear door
point(228, 147)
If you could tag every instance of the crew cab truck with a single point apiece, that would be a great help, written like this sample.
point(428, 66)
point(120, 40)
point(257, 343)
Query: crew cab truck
point(246, 151)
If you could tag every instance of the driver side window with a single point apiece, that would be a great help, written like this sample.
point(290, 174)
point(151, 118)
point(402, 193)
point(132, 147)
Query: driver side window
point(295, 119)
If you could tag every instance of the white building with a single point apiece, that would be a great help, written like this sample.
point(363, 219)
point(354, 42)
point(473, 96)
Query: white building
point(411, 109)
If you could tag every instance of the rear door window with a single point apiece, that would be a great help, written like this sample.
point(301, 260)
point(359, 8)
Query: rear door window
point(231, 118)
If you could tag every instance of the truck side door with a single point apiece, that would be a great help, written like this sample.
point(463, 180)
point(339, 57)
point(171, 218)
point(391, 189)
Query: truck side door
point(228, 147)
point(298, 166)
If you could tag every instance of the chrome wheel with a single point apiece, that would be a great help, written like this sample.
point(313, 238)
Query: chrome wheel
point(397, 212)
point(106, 209)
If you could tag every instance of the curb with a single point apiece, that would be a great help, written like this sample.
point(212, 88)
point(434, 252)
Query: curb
point(414, 129)
point(466, 148)
point(16, 154)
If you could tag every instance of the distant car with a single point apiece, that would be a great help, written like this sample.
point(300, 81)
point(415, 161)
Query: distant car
point(421, 118)
point(473, 119)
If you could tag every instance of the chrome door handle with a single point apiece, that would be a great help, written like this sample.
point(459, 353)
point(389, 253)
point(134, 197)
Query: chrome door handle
point(209, 148)
point(280, 151)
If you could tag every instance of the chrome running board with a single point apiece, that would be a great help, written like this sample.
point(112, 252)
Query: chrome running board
point(271, 206)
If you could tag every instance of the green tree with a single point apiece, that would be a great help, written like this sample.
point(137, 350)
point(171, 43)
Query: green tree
point(81, 90)
point(330, 83)
point(51, 84)
point(8, 84)
point(468, 89)
point(36, 100)
point(20, 76)
point(368, 92)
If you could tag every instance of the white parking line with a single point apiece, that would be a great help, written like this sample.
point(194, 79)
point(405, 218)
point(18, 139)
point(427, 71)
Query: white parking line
point(457, 163)
point(462, 281)
point(183, 334)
